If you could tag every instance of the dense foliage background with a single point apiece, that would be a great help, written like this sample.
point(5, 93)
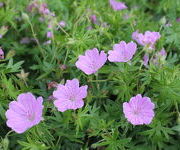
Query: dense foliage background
point(100, 124)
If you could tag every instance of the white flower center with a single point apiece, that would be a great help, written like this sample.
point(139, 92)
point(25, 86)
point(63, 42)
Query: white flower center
point(30, 116)
point(136, 112)
point(72, 98)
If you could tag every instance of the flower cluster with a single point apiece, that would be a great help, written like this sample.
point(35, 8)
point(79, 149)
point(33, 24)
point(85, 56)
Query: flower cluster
point(41, 7)
point(93, 60)
point(147, 39)
point(45, 16)
point(27, 111)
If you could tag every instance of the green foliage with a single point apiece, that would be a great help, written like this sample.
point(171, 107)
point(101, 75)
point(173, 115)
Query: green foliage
point(100, 124)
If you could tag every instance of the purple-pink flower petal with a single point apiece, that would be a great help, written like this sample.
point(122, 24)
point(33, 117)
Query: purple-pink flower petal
point(49, 34)
point(162, 53)
point(70, 95)
point(117, 5)
point(139, 110)
point(62, 23)
point(24, 113)
point(93, 19)
point(178, 19)
point(1, 53)
point(147, 39)
point(146, 60)
point(122, 52)
point(92, 61)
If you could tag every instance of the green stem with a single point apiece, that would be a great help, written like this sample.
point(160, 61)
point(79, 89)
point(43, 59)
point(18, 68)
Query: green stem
point(98, 80)
point(97, 84)
point(176, 106)
point(9, 133)
point(66, 56)
point(63, 30)
point(35, 37)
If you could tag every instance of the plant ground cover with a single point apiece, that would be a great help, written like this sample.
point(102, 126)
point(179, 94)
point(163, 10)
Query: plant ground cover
point(44, 46)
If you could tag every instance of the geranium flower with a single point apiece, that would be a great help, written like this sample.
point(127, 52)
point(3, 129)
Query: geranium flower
point(92, 61)
point(1, 53)
point(24, 113)
point(146, 60)
point(159, 57)
point(43, 9)
point(122, 52)
point(49, 34)
point(70, 95)
point(62, 24)
point(117, 5)
point(139, 110)
point(93, 19)
point(162, 53)
point(147, 39)
point(178, 19)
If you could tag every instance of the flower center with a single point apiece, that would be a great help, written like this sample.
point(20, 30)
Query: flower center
point(135, 112)
point(72, 98)
point(30, 116)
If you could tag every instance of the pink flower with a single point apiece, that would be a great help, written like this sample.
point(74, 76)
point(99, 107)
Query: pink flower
point(162, 53)
point(146, 59)
point(122, 52)
point(32, 6)
point(117, 5)
point(93, 19)
point(147, 39)
point(178, 19)
point(70, 95)
point(49, 34)
point(138, 37)
point(1, 53)
point(62, 23)
point(24, 113)
point(1, 4)
point(159, 57)
point(92, 61)
point(139, 110)
point(50, 26)
point(43, 9)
